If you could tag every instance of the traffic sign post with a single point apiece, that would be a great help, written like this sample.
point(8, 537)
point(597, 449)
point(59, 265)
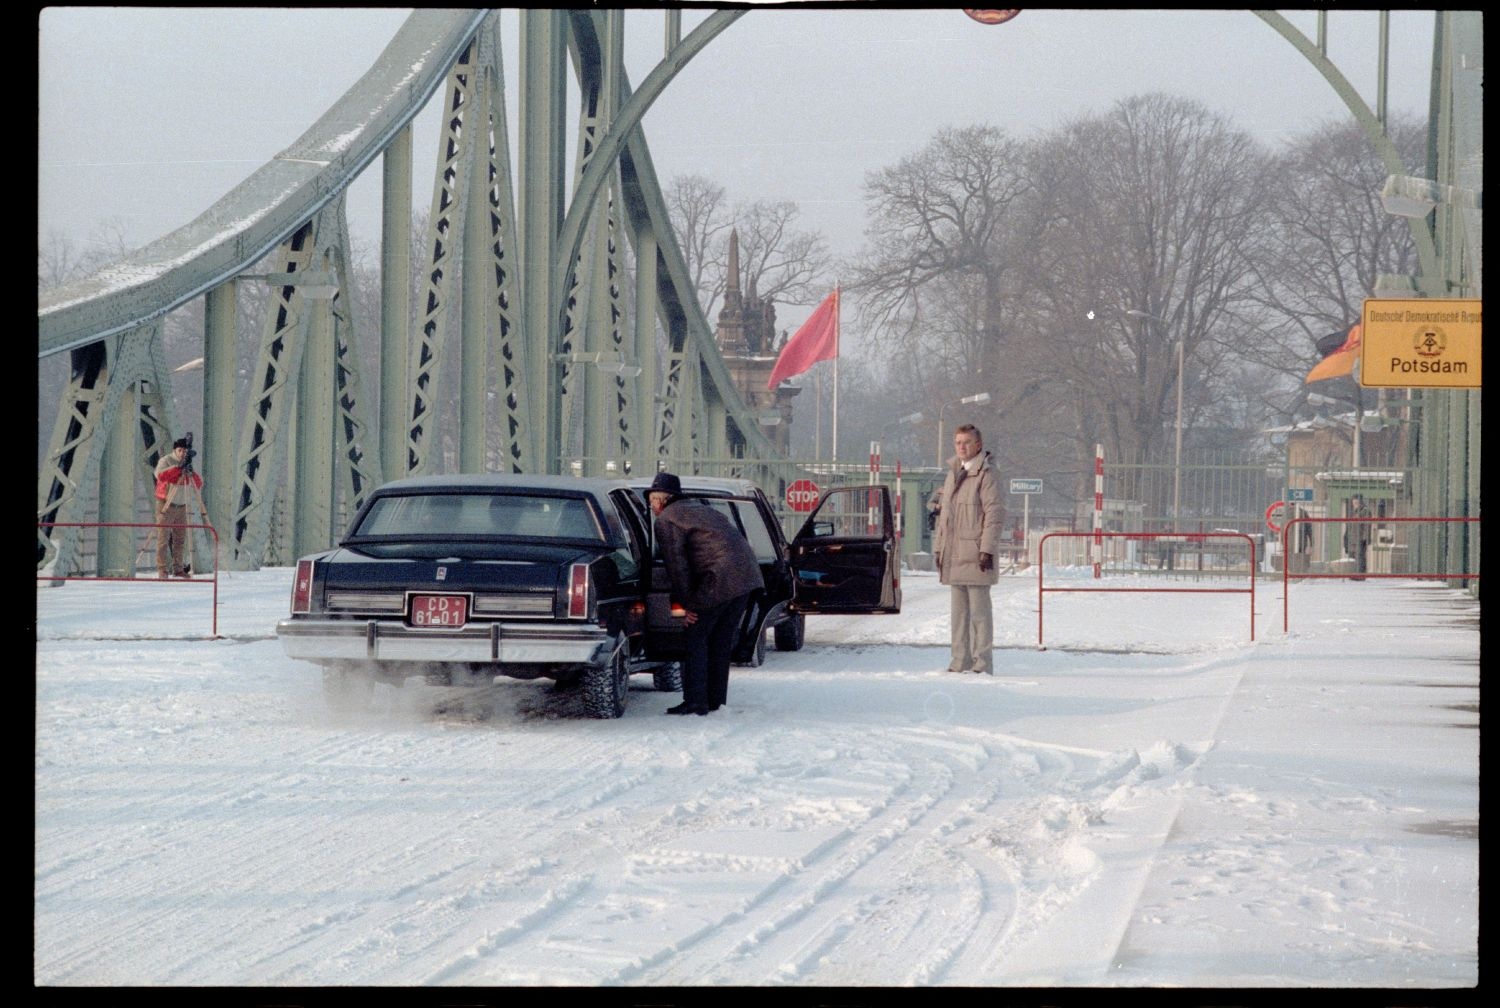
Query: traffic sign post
point(1025, 487)
point(802, 495)
point(1300, 495)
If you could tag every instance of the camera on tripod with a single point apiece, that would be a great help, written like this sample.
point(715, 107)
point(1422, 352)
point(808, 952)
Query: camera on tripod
point(188, 453)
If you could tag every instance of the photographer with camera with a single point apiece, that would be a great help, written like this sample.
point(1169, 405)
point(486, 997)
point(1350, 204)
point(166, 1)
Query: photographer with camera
point(174, 471)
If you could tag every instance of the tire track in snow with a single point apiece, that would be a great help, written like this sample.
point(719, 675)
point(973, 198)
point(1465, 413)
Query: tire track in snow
point(797, 926)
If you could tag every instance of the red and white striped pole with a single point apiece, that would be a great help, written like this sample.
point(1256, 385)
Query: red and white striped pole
point(898, 500)
point(870, 516)
point(1098, 508)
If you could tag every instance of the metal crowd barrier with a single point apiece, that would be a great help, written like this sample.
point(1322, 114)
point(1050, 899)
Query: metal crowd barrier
point(1193, 537)
point(213, 580)
point(1287, 575)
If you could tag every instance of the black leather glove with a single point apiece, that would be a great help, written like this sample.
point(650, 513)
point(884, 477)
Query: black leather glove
point(986, 562)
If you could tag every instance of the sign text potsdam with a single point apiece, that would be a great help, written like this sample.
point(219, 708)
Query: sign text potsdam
point(1421, 342)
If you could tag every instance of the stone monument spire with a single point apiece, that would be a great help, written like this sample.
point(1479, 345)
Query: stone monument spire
point(746, 335)
point(731, 329)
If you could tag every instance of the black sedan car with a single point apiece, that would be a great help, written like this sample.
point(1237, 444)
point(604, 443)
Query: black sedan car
point(458, 579)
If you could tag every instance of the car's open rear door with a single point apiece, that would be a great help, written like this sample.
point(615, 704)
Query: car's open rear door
point(665, 627)
point(845, 558)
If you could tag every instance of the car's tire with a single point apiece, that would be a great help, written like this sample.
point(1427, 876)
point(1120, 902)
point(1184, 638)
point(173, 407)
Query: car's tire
point(348, 688)
point(606, 688)
point(791, 632)
point(757, 656)
point(667, 678)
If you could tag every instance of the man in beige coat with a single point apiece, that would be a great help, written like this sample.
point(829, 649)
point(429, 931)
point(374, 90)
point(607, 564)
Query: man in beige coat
point(965, 544)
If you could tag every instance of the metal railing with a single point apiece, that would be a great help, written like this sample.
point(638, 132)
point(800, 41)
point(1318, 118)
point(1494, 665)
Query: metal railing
point(1356, 574)
point(212, 579)
point(1097, 537)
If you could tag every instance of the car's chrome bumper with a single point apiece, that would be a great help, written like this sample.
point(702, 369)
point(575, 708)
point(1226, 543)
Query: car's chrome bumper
point(389, 640)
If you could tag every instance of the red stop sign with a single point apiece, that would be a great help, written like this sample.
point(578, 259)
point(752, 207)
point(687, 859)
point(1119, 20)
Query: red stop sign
point(802, 495)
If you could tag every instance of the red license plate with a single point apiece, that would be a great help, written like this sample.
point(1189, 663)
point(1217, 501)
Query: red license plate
point(439, 610)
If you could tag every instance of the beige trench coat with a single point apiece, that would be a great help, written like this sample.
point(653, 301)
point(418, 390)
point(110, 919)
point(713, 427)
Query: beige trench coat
point(970, 523)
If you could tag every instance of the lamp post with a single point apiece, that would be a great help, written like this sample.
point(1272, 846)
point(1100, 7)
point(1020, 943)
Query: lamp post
point(1177, 451)
point(978, 397)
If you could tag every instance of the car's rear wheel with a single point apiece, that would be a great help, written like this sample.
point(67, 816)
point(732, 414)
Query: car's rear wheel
point(790, 633)
point(348, 689)
point(667, 678)
point(607, 687)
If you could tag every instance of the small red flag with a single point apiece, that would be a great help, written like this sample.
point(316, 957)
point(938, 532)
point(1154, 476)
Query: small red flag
point(817, 340)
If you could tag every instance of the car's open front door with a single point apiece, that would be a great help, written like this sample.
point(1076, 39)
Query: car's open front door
point(845, 559)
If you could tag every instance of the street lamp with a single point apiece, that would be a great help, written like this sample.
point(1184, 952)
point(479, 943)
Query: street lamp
point(1177, 456)
point(978, 397)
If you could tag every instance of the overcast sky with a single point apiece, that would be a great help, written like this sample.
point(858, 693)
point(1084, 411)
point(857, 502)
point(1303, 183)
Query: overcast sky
point(149, 115)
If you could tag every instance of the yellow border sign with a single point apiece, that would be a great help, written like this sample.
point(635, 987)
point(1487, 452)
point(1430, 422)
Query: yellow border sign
point(1421, 343)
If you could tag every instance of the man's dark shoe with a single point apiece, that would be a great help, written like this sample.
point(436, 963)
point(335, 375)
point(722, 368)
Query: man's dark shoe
point(687, 708)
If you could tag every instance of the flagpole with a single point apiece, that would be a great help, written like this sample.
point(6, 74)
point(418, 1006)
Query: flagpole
point(837, 308)
point(818, 418)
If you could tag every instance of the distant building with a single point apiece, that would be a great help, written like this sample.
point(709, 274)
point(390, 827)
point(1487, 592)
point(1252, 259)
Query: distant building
point(747, 339)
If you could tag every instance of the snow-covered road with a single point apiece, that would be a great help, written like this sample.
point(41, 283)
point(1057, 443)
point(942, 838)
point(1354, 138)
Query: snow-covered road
point(1154, 800)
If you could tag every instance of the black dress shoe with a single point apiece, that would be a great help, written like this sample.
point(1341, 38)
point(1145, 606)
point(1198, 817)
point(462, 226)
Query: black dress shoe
point(687, 708)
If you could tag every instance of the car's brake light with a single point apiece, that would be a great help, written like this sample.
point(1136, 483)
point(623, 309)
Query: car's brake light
point(578, 591)
point(302, 587)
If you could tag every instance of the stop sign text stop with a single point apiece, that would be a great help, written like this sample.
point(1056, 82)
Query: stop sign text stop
point(802, 495)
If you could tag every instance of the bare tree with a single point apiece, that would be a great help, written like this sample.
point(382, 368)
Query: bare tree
point(943, 288)
point(944, 241)
point(1327, 238)
point(1150, 212)
point(702, 222)
point(779, 263)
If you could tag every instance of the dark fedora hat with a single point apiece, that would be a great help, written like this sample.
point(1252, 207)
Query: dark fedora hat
point(666, 482)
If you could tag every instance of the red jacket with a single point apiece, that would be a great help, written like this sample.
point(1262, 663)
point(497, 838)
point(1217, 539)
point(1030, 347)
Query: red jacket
point(165, 478)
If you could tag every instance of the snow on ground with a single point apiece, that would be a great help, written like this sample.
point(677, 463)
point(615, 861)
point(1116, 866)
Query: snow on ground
point(1153, 800)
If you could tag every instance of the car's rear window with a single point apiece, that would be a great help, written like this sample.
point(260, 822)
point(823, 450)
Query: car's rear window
point(426, 516)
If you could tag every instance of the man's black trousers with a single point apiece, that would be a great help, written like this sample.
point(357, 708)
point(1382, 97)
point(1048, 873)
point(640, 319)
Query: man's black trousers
point(709, 642)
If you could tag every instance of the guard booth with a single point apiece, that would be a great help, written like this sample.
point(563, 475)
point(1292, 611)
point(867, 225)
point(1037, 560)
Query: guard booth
point(917, 489)
point(1381, 490)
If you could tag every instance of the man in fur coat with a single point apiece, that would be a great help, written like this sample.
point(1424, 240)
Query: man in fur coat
point(965, 544)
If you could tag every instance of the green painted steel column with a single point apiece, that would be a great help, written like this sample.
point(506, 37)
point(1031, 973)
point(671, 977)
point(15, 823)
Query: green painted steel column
point(395, 304)
point(216, 449)
point(543, 162)
point(1456, 490)
point(310, 493)
point(119, 476)
point(716, 418)
point(475, 279)
point(601, 437)
point(645, 444)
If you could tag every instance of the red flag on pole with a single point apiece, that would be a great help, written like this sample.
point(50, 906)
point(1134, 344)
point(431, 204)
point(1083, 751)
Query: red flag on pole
point(817, 340)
